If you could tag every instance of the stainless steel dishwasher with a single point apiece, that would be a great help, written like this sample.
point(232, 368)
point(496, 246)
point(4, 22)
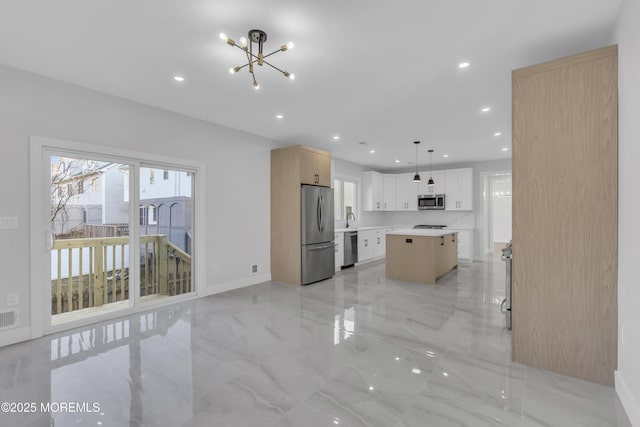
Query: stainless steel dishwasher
point(350, 248)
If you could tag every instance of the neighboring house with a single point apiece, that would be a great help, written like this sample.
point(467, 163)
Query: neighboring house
point(97, 193)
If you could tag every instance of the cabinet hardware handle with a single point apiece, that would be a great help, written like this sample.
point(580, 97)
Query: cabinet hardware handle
point(408, 240)
point(441, 240)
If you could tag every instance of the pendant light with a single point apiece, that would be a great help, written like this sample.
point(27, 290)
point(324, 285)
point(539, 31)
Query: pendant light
point(430, 183)
point(416, 177)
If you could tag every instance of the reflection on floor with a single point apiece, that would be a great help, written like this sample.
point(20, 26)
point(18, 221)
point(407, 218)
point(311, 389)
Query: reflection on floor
point(356, 350)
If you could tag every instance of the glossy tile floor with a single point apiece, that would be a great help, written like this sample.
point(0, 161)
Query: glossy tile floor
point(356, 350)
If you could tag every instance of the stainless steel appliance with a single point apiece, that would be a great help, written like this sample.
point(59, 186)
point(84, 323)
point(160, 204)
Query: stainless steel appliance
point(350, 248)
point(318, 256)
point(429, 227)
point(430, 202)
point(507, 256)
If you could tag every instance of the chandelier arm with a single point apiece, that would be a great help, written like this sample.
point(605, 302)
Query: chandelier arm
point(272, 53)
point(273, 66)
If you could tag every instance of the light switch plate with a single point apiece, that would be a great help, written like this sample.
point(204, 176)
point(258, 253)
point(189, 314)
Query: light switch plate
point(12, 299)
point(8, 223)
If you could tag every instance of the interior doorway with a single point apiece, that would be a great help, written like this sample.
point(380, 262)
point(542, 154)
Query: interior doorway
point(497, 190)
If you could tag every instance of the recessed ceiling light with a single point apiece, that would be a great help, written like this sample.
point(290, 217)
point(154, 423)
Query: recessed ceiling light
point(416, 370)
point(445, 374)
point(397, 161)
point(505, 149)
point(279, 116)
point(371, 388)
point(178, 78)
point(336, 137)
point(372, 151)
point(497, 134)
point(445, 155)
point(463, 65)
point(485, 109)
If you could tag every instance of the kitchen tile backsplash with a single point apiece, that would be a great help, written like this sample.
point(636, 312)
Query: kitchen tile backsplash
point(459, 220)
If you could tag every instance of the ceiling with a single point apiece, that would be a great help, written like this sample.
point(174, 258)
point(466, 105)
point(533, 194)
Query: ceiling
point(382, 73)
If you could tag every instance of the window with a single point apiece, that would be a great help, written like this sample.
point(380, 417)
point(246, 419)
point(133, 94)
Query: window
point(153, 215)
point(81, 185)
point(165, 175)
point(152, 177)
point(345, 198)
point(94, 185)
point(143, 216)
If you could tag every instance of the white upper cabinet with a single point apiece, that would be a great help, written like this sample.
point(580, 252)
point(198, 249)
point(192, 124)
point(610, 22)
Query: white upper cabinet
point(372, 191)
point(438, 186)
point(398, 192)
point(459, 190)
point(389, 192)
point(406, 193)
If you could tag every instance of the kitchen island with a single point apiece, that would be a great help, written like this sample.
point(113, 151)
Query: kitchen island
point(421, 255)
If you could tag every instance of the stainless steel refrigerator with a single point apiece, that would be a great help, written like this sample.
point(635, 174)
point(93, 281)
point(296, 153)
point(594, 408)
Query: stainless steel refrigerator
point(318, 253)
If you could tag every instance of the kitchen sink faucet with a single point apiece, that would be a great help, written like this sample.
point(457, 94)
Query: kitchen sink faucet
point(353, 217)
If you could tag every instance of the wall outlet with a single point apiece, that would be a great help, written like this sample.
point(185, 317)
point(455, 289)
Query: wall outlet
point(8, 223)
point(12, 299)
point(254, 268)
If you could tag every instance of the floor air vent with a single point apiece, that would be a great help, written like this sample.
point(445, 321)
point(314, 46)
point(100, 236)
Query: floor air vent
point(8, 319)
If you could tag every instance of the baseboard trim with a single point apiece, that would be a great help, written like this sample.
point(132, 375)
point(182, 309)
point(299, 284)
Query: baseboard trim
point(629, 403)
point(236, 284)
point(15, 335)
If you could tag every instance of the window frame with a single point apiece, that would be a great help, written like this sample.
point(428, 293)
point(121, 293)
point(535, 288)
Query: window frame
point(342, 178)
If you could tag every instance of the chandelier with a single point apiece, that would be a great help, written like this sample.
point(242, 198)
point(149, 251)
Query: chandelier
point(258, 37)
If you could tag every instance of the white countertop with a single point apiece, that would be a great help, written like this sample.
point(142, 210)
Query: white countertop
point(342, 230)
point(421, 232)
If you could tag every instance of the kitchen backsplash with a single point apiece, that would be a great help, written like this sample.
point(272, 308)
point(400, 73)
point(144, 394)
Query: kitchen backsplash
point(459, 220)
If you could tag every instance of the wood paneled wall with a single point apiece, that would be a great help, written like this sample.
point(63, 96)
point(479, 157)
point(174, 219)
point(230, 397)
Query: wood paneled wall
point(565, 215)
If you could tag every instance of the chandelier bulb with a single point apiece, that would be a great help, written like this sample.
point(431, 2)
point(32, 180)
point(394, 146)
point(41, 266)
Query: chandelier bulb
point(223, 36)
point(234, 70)
point(256, 85)
point(243, 42)
point(289, 75)
point(287, 46)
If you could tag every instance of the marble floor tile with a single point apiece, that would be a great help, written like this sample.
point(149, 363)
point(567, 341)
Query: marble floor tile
point(552, 399)
point(355, 350)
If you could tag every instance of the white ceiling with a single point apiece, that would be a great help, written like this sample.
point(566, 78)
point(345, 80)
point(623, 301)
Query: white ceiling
point(379, 72)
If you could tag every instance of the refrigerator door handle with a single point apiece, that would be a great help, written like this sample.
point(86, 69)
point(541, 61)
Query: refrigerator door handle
point(320, 248)
point(321, 214)
point(318, 213)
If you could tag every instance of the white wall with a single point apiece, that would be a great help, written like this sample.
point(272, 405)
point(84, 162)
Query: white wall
point(628, 375)
point(237, 165)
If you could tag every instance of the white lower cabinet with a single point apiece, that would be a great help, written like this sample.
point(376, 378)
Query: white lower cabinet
point(371, 244)
point(379, 243)
point(365, 244)
point(339, 241)
point(465, 244)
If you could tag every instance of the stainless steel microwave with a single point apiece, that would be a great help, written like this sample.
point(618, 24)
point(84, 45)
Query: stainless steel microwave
point(431, 202)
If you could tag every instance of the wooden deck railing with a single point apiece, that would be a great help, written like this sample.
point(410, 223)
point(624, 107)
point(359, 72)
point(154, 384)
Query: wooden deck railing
point(92, 272)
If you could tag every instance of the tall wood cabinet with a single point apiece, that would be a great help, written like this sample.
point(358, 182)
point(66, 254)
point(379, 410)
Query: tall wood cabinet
point(290, 168)
point(564, 300)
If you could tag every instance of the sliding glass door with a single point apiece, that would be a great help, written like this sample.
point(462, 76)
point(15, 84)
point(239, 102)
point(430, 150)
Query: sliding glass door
point(120, 234)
